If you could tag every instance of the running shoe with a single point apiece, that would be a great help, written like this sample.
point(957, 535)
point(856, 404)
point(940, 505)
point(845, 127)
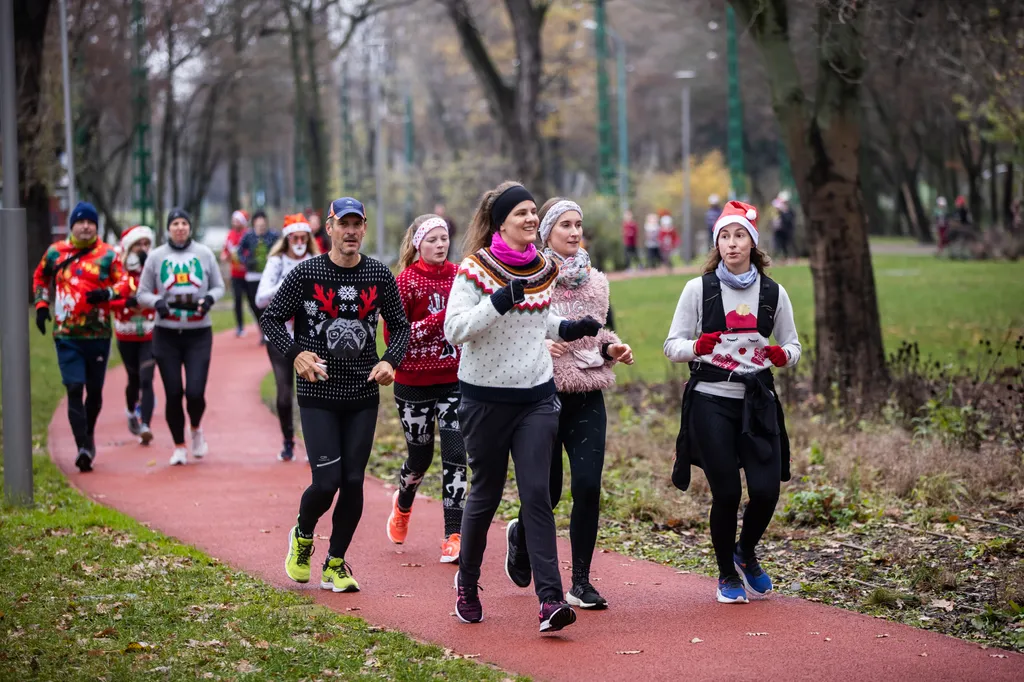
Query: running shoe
point(338, 576)
point(84, 460)
point(585, 596)
point(179, 457)
point(287, 454)
point(145, 434)
point(753, 576)
point(517, 560)
point(450, 548)
point(398, 522)
point(730, 591)
point(134, 424)
point(199, 446)
point(296, 563)
point(239, 333)
point(555, 615)
point(468, 608)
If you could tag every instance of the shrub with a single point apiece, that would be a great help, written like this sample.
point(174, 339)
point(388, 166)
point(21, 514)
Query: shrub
point(822, 505)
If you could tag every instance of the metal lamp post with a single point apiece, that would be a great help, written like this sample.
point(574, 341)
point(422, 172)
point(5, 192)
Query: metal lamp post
point(69, 149)
point(686, 77)
point(623, 111)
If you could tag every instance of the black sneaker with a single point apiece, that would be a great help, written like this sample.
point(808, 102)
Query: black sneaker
point(468, 608)
point(288, 453)
point(134, 423)
point(517, 560)
point(84, 460)
point(555, 615)
point(585, 596)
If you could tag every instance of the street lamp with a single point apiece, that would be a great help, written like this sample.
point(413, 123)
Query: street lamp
point(686, 77)
point(620, 67)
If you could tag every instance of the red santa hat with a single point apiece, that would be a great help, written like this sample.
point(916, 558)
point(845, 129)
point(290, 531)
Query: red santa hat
point(296, 222)
point(737, 213)
point(135, 234)
point(240, 216)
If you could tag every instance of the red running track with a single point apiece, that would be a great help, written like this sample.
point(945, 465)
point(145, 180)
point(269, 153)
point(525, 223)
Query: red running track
point(226, 504)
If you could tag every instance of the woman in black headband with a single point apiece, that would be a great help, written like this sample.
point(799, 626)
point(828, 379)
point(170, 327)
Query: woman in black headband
point(499, 311)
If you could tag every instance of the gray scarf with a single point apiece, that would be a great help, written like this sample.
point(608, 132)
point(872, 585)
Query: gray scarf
point(736, 281)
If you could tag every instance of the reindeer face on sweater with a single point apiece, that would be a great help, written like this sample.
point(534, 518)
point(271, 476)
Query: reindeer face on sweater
point(345, 337)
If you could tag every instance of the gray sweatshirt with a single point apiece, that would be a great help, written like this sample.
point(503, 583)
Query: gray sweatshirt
point(182, 278)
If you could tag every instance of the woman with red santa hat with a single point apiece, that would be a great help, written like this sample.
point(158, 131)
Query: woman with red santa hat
point(731, 414)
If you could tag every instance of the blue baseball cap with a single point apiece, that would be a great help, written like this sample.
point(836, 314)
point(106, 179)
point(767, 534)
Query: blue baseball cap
point(344, 206)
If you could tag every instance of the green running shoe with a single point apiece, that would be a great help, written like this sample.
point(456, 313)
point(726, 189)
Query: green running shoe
point(338, 576)
point(296, 564)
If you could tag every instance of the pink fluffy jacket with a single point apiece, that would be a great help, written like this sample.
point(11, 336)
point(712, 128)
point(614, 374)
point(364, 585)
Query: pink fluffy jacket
point(582, 368)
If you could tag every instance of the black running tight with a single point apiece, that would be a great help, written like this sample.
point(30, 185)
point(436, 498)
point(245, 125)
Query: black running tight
point(418, 407)
point(189, 350)
point(284, 379)
point(716, 424)
point(338, 445)
point(139, 364)
point(581, 431)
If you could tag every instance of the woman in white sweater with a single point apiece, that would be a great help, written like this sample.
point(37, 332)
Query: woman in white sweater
point(731, 415)
point(499, 311)
point(295, 245)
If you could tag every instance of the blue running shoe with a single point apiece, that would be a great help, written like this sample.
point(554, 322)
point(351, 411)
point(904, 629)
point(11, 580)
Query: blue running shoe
point(754, 577)
point(730, 591)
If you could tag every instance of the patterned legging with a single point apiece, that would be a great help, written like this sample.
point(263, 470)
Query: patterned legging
point(418, 408)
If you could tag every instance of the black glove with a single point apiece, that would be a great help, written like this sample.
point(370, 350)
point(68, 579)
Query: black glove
point(205, 305)
point(131, 302)
point(161, 309)
point(577, 329)
point(42, 317)
point(98, 296)
point(505, 298)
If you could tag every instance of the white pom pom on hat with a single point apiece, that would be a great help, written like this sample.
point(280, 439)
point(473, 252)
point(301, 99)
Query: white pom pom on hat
point(737, 213)
point(751, 214)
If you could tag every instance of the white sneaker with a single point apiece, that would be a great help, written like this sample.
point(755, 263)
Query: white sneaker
point(180, 457)
point(199, 446)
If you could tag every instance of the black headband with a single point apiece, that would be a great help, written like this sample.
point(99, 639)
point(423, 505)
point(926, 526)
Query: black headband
point(507, 201)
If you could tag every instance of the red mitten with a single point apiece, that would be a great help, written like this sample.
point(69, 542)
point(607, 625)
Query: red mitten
point(706, 343)
point(776, 355)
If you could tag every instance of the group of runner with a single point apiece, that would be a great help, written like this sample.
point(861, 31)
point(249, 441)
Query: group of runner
point(507, 353)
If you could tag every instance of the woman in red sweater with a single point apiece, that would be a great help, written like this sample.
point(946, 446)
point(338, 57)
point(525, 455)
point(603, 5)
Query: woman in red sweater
point(427, 383)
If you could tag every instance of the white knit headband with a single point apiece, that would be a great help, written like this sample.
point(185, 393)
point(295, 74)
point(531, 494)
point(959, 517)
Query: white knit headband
point(425, 228)
point(554, 213)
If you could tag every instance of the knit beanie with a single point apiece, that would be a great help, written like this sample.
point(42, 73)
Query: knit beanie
point(176, 213)
point(83, 211)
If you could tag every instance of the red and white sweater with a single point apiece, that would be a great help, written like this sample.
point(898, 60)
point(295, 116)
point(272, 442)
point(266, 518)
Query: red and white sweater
point(430, 360)
point(132, 324)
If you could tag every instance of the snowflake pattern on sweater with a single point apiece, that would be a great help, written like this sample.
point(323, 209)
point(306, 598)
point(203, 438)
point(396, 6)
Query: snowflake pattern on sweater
point(430, 359)
point(343, 335)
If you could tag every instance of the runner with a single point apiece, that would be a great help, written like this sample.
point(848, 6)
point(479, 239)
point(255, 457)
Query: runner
point(323, 242)
point(133, 326)
point(181, 281)
point(85, 274)
point(427, 382)
point(239, 292)
point(731, 417)
point(630, 232)
point(296, 245)
point(253, 250)
point(651, 243)
point(336, 300)
point(582, 371)
point(499, 311)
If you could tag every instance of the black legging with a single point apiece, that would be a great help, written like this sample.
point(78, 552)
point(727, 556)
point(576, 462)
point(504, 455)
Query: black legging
point(188, 349)
point(284, 378)
point(338, 445)
point(581, 430)
point(716, 425)
point(250, 291)
point(240, 292)
point(137, 357)
point(418, 407)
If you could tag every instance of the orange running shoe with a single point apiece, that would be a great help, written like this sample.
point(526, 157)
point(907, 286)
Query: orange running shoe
point(398, 522)
point(450, 549)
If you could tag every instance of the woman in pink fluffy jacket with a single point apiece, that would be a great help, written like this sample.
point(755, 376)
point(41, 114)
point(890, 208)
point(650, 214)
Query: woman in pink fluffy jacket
point(582, 369)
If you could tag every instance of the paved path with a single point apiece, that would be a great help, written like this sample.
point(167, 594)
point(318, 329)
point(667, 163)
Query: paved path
point(238, 504)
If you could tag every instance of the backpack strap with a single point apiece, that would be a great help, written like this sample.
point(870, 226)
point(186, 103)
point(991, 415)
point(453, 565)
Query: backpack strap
point(713, 311)
point(768, 305)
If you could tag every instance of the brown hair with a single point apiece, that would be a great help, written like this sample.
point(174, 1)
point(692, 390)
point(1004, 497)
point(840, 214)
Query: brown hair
point(407, 252)
point(281, 246)
point(759, 258)
point(480, 228)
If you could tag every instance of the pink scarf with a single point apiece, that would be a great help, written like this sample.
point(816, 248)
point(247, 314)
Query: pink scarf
point(506, 254)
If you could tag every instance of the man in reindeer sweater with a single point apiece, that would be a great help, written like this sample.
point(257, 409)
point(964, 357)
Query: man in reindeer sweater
point(336, 300)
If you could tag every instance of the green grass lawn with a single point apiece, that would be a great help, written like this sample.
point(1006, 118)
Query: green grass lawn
point(88, 593)
point(946, 307)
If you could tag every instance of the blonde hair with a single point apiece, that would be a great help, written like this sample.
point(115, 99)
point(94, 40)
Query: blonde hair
point(281, 246)
point(407, 252)
point(480, 228)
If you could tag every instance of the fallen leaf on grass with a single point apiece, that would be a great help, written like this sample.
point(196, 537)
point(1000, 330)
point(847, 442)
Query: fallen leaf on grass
point(262, 644)
point(943, 604)
point(161, 669)
point(244, 666)
point(631, 652)
point(135, 647)
point(323, 637)
point(352, 608)
point(374, 628)
point(696, 640)
point(478, 656)
point(106, 632)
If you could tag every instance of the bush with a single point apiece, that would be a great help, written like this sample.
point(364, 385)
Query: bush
point(822, 505)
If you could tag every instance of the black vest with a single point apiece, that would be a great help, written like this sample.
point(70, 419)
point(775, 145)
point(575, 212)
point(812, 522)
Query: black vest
point(713, 314)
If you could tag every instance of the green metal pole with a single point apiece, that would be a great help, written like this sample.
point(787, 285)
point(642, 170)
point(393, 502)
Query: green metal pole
point(620, 59)
point(348, 142)
point(140, 86)
point(737, 172)
point(409, 157)
point(606, 174)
